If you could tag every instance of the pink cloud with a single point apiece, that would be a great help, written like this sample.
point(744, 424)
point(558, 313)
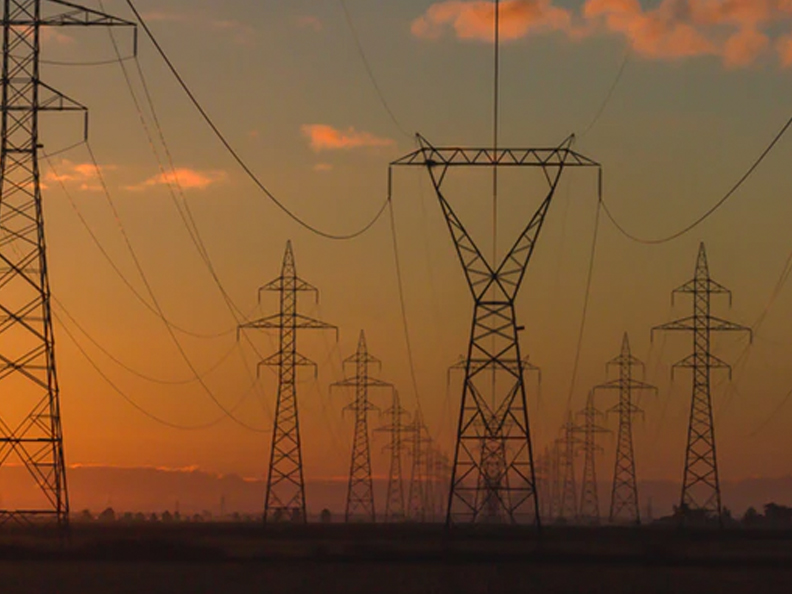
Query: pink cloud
point(739, 32)
point(327, 138)
point(310, 22)
point(323, 167)
point(84, 175)
point(187, 179)
point(476, 20)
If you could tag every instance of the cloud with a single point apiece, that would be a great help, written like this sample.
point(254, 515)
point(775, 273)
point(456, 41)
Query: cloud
point(187, 179)
point(310, 22)
point(738, 32)
point(323, 167)
point(240, 33)
point(476, 20)
point(84, 175)
point(327, 138)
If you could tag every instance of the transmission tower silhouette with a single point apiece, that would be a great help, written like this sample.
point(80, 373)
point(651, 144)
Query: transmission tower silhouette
point(285, 495)
point(701, 495)
point(31, 432)
point(567, 447)
point(493, 446)
point(589, 498)
point(396, 427)
point(360, 491)
point(419, 440)
point(624, 506)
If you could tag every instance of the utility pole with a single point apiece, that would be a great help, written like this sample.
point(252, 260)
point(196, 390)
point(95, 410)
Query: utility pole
point(285, 495)
point(567, 443)
point(31, 432)
point(360, 490)
point(395, 427)
point(624, 504)
point(589, 500)
point(493, 417)
point(701, 495)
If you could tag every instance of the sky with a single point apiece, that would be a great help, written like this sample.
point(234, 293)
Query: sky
point(675, 98)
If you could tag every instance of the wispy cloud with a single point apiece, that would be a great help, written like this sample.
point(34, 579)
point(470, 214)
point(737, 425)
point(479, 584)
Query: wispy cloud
point(239, 32)
point(187, 179)
point(310, 22)
point(323, 167)
point(739, 32)
point(326, 138)
point(84, 175)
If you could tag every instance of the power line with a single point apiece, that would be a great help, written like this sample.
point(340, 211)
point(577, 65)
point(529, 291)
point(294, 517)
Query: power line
point(156, 303)
point(236, 156)
point(370, 70)
point(587, 297)
point(87, 64)
point(713, 209)
point(611, 91)
point(129, 399)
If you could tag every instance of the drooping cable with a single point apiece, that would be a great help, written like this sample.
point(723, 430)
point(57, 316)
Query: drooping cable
point(129, 399)
point(370, 71)
point(177, 343)
point(609, 95)
point(714, 208)
point(587, 297)
point(236, 156)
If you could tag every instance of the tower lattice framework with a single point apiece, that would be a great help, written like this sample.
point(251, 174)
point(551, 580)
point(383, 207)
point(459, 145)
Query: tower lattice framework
point(360, 489)
point(625, 504)
point(395, 427)
point(589, 511)
point(31, 432)
point(285, 494)
point(494, 453)
point(419, 440)
point(701, 485)
point(567, 447)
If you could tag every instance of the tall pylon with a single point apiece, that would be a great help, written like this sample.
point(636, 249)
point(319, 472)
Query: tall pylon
point(493, 415)
point(567, 444)
point(31, 432)
point(360, 490)
point(624, 505)
point(418, 438)
point(701, 495)
point(589, 511)
point(395, 510)
point(285, 494)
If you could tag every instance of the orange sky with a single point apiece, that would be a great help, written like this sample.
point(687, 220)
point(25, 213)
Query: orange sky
point(704, 89)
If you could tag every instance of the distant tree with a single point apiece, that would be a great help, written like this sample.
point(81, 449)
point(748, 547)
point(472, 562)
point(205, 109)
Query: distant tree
point(751, 517)
point(296, 515)
point(236, 517)
point(128, 517)
point(86, 516)
point(154, 518)
point(325, 516)
point(778, 516)
point(167, 517)
point(197, 518)
point(107, 516)
point(177, 517)
point(140, 517)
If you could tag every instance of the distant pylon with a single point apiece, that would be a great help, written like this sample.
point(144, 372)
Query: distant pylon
point(544, 480)
point(624, 504)
point(360, 490)
point(567, 448)
point(589, 498)
point(285, 495)
point(395, 427)
point(418, 439)
point(701, 486)
point(31, 431)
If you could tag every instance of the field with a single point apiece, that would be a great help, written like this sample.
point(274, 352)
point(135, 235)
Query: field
point(226, 558)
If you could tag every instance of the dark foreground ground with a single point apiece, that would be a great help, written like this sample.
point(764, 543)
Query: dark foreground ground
point(402, 559)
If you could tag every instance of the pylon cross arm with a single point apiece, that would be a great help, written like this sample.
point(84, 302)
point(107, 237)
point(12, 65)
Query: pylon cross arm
point(77, 15)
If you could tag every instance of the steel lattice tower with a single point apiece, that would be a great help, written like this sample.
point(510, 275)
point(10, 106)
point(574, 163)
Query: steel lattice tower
point(395, 427)
point(567, 443)
point(701, 486)
point(494, 449)
point(360, 491)
point(30, 420)
point(624, 504)
point(589, 497)
point(419, 440)
point(285, 495)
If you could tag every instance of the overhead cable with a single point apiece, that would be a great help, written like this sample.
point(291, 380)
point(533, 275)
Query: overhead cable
point(236, 156)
